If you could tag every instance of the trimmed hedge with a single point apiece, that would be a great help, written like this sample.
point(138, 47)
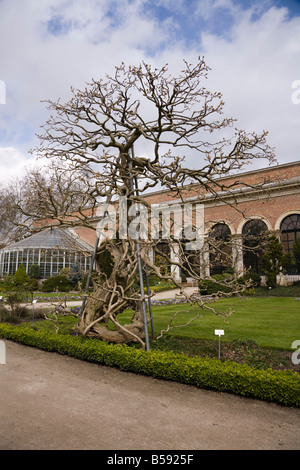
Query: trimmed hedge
point(277, 386)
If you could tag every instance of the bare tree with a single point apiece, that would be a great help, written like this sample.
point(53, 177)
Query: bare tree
point(102, 131)
point(11, 219)
point(44, 192)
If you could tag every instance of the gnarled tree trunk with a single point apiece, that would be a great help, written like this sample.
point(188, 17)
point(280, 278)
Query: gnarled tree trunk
point(112, 297)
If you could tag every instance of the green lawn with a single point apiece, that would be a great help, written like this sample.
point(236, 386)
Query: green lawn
point(270, 322)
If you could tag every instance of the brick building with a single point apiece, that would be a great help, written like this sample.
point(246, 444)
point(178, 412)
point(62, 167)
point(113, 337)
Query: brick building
point(235, 206)
point(250, 202)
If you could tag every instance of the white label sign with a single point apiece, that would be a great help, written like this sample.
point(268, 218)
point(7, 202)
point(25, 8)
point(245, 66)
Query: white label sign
point(219, 332)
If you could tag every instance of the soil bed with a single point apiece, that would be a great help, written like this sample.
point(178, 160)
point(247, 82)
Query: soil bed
point(242, 352)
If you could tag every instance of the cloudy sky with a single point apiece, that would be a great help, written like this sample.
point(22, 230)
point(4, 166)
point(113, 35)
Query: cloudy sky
point(47, 46)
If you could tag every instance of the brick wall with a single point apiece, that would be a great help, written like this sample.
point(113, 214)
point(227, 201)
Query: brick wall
point(267, 176)
point(269, 208)
point(281, 195)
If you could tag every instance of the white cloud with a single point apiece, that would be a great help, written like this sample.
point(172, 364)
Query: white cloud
point(255, 71)
point(40, 62)
point(48, 46)
point(13, 164)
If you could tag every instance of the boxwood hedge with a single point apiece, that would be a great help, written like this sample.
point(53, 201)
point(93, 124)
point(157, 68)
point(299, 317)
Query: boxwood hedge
point(271, 385)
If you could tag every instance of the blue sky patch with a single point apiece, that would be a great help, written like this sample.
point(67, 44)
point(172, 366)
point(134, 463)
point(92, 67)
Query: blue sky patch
point(58, 25)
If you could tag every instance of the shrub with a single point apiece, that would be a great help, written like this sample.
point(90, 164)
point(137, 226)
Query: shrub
point(278, 291)
point(255, 278)
point(272, 260)
point(20, 277)
point(34, 271)
point(153, 280)
point(13, 300)
point(161, 286)
point(75, 275)
point(218, 283)
point(271, 385)
point(31, 285)
point(56, 283)
point(5, 314)
point(210, 287)
point(9, 318)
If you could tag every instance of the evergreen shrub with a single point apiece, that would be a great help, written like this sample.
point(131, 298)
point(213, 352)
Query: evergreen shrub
point(217, 283)
point(20, 277)
point(271, 385)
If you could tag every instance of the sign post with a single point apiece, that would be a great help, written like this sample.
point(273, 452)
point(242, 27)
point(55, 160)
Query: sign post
point(219, 333)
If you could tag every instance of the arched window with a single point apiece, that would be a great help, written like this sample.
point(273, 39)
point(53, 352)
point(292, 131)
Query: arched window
point(254, 232)
point(290, 232)
point(220, 249)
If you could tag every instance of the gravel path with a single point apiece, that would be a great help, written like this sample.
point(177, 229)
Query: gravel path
point(53, 402)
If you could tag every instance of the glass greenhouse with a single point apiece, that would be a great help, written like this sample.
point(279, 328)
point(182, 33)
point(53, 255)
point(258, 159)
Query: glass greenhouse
point(52, 249)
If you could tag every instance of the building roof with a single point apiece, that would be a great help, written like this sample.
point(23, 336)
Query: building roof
point(51, 238)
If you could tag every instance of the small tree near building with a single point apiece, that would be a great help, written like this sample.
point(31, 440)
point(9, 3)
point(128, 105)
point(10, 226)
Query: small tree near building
point(20, 277)
point(273, 260)
point(34, 271)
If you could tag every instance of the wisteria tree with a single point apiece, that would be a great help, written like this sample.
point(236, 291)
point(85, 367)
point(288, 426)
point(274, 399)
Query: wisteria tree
point(125, 135)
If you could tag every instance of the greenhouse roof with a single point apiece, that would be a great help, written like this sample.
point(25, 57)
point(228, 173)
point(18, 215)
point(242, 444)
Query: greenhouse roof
point(51, 238)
